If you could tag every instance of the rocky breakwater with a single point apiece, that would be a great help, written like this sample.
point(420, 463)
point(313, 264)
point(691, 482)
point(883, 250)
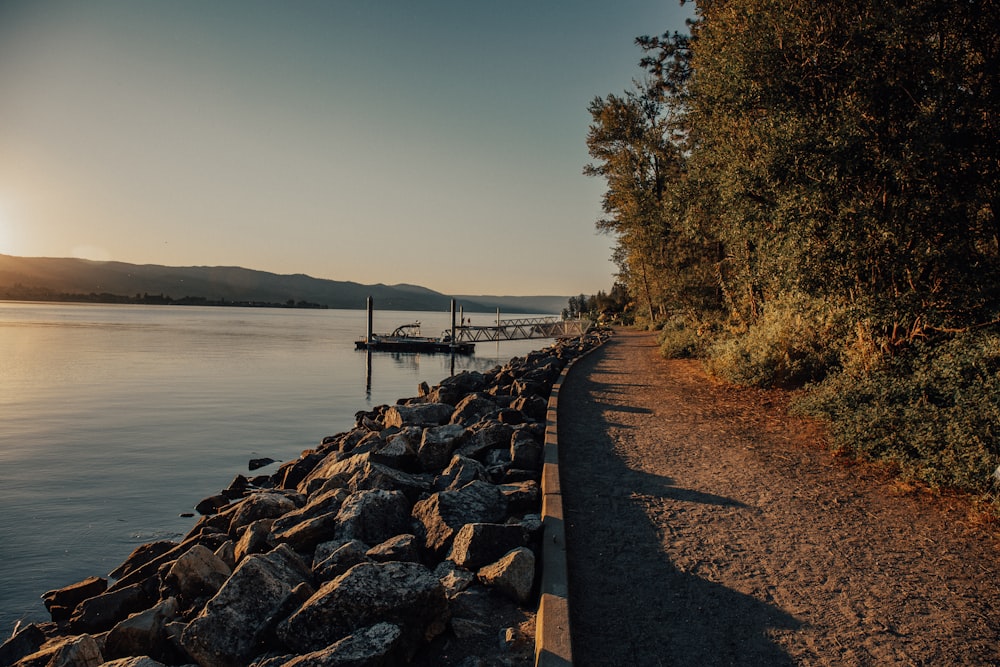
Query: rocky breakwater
point(411, 538)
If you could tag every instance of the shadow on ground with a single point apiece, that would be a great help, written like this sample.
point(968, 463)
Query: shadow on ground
point(629, 604)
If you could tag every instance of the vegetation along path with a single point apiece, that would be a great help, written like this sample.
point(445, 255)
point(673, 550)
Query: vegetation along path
point(706, 526)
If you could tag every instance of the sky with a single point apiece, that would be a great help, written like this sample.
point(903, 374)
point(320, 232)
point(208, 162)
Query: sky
point(437, 143)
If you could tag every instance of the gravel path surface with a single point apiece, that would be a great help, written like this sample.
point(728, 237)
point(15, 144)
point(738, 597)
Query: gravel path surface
point(705, 526)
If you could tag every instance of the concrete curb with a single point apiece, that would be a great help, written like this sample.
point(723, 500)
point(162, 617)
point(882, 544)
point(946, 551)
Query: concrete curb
point(552, 635)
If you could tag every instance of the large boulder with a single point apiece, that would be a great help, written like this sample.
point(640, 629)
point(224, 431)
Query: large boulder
point(373, 516)
point(485, 437)
point(420, 414)
point(239, 619)
point(144, 634)
point(305, 535)
point(460, 471)
point(318, 504)
point(73, 651)
point(373, 646)
point(466, 382)
point(445, 512)
point(61, 602)
point(404, 594)
point(479, 544)
point(141, 555)
point(102, 612)
point(525, 451)
point(333, 471)
point(401, 547)
point(474, 407)
point(256, 539)
point(378, 476)
point(340, 561)
point(197, 574)
point(437, 444)
point(27, 640)
point(513, 574)
point(263, 505)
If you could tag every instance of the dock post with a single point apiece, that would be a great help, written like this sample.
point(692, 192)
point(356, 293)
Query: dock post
point(453, 324)
point(368, 336)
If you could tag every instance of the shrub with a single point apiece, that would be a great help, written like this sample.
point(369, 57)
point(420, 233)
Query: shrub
point(793, 342)
point(934, 411)
point(682, 337)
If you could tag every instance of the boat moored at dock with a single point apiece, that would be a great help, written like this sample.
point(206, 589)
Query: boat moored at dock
point(407, 338)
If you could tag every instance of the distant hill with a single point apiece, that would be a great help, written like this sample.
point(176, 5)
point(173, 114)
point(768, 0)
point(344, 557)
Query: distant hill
point(66, 278)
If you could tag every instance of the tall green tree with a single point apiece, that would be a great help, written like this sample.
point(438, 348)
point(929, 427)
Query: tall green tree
point(850, 150)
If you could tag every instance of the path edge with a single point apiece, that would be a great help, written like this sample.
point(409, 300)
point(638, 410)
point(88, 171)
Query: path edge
point(552, 632)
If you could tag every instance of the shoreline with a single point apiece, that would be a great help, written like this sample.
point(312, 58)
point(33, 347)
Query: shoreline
point(393, 463)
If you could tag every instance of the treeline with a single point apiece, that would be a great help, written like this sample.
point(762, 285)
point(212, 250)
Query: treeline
point(19, 292)
point(807, 193)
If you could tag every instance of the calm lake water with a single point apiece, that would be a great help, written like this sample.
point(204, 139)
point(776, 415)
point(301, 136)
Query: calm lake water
point(114, 420)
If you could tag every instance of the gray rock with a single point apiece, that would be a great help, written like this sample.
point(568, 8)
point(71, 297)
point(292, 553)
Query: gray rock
point(466, 382)
point(333, 471)
point(373, 646)
point(143, 633)
point(485, 437)
point(25, 641)
point(102, 612)
point(401, 547)
point(479, 544)
point(525, 451)
point(257, 506)
point(373, 516)
point(316, 505)
point(474, 407)
point(513, 575)
point(437, 444)
point(340, 561)
point(140, 556)
point(74, 651)
point(396, 452)
point(378, 476)
point(421, 414)
point(445, 512)
point(533, 406)
point(256, 539)
point(524, 496)
point(197, 574)
point(405, 594)
point(460, 471)
point(305, 535)
point(239, 619)
point(212, 504)
point(454, 579)
point(61, 602)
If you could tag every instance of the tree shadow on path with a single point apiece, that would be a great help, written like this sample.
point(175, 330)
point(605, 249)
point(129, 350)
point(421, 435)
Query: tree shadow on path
point(629, 604)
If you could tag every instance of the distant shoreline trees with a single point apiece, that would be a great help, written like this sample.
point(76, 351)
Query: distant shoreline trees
point(19, 292)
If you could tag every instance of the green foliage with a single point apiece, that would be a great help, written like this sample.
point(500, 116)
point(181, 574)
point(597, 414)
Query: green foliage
point(934, 411)
point(825, 178)
point(682, 337)
point(789, 345)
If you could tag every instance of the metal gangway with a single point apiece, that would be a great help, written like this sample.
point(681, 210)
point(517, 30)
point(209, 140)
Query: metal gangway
point(521, 329)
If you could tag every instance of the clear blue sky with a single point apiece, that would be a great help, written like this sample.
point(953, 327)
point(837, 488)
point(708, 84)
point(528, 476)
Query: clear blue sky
point(438, 143)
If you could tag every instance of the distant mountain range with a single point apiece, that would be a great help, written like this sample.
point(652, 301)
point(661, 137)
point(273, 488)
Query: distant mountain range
point(66, 279)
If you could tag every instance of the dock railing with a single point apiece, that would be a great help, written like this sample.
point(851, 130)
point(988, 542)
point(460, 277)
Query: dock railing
point(522, 329)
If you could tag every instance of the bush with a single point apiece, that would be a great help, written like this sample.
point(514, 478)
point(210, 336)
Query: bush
point(793, 342)
point(933, 411)
point(682, 338)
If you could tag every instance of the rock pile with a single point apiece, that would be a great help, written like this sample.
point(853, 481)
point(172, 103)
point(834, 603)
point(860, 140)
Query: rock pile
point(410, 538)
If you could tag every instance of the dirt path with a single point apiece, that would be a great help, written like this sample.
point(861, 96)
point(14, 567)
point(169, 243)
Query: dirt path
point(705, 526)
